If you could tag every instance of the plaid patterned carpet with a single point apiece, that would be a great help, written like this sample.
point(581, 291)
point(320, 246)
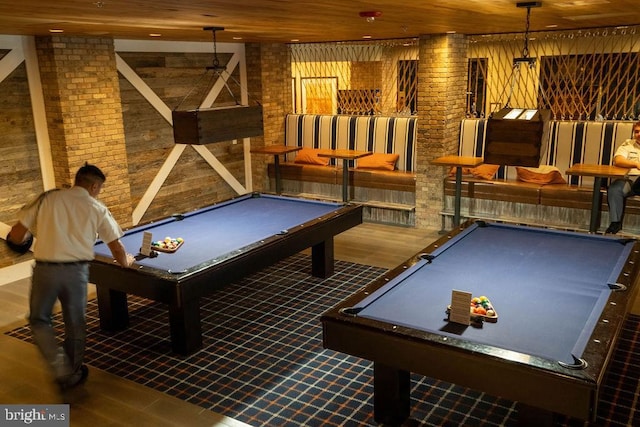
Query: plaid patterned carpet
point(263, 361)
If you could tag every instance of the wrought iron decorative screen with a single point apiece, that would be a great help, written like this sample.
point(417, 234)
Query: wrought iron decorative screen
point(578, 75)
point(356, 78)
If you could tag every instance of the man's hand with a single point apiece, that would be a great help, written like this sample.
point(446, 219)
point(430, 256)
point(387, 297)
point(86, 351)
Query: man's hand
point(120, 254)
point(19, 238)
point(130, 260)
point(21, 247)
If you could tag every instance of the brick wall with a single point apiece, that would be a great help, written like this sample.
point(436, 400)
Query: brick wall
point(84, 114)
point(269, 73)
point(442, 72)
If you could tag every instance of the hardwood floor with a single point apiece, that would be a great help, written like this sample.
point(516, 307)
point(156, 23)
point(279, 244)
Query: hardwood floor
point(107, 400)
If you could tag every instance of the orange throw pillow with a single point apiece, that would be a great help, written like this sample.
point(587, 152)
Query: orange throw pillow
point(542, 175)
point(309, 156)
point(483, 171)
point(379, 161)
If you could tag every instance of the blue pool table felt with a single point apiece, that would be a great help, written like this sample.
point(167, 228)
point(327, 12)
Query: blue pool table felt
point(538, 282)
point(220, 231)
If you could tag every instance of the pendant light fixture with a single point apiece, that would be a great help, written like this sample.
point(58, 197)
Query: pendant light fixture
point(515, 135)
point(207, 125)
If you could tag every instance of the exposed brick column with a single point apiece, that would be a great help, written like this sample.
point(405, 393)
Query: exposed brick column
point(84, 114)
point(271, 64)
point(442, 81)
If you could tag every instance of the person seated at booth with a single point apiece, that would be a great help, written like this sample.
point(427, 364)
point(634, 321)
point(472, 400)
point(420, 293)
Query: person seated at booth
point(627, 156)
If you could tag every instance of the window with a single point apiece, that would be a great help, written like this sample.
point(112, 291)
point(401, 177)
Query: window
point(476, 87)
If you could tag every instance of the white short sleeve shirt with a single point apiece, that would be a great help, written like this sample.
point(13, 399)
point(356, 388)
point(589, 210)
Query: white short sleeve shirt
point(630, 150)
point(67, 223)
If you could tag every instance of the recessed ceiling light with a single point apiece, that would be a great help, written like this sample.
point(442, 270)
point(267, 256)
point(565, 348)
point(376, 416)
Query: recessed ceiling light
point(451, 32)
point(295, 40)
point(155, 35)
point(56, 30)
point(552, 26)
point(237, 38)
point(366, 37)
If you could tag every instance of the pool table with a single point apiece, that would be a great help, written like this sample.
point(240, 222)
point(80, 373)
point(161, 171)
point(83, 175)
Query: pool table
point(560, 296)
point(222, 243)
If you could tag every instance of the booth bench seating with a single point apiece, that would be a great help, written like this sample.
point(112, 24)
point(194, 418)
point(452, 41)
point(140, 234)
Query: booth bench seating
point(507, 198)
point(388, 196)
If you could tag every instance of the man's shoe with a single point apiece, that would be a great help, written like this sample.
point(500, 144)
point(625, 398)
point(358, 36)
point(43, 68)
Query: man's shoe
point(84, 374)
point(614, 227)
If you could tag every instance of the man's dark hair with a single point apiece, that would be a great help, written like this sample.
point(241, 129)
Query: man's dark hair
point(88, 175)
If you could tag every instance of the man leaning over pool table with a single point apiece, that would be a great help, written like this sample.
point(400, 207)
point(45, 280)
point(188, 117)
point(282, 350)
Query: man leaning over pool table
point(66, 223)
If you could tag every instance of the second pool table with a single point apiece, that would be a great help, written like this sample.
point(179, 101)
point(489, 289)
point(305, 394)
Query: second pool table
point(222, 243)
point(561, 299)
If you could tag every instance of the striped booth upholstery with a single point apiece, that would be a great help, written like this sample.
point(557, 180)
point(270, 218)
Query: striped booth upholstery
point(387, 196)
point(569, 142)
point(366, 133)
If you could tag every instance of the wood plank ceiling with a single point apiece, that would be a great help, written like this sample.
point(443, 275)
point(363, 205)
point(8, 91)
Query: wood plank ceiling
point(284, 21)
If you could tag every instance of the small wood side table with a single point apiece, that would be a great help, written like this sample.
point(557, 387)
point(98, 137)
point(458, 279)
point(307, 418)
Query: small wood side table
point(597, 172)
point(345, 155)
point(458, 162)
point(276, 151)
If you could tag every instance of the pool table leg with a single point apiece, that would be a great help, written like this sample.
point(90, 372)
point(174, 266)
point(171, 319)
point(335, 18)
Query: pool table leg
point(112, 309)
point(391, 394)
point(322, 258)
point(184, 323)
